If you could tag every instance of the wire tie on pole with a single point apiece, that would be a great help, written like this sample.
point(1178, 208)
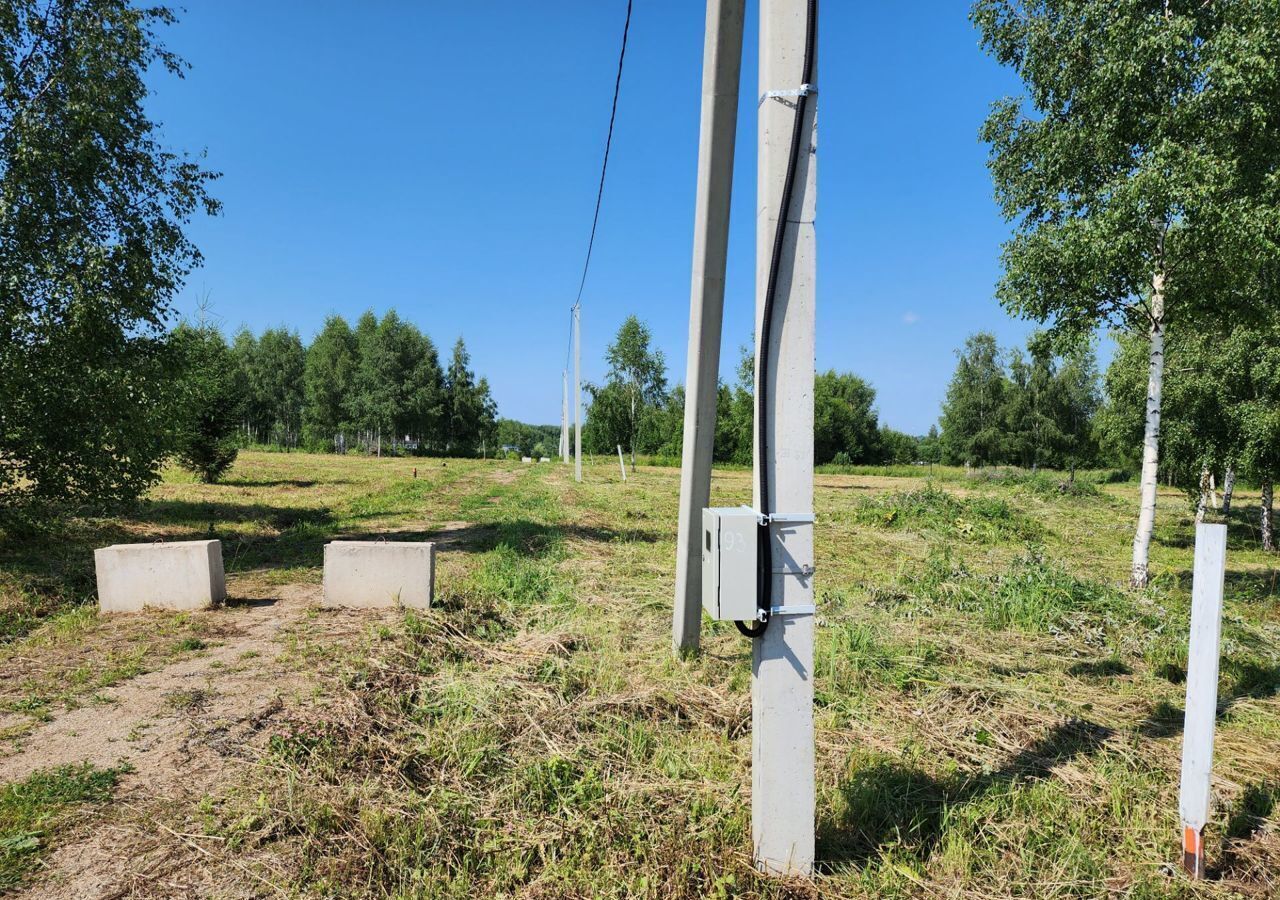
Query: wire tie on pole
point(803, 91)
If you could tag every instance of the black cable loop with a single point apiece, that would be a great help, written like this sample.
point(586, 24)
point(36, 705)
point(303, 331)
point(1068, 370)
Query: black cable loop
point(764, 578)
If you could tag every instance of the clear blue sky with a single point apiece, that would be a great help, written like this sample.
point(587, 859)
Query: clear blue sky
point(442, 159)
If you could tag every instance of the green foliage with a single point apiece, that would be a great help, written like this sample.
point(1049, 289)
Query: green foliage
point(1045, 484)
point(896, 448)
point(328, 382)
point(209, 402)
point(1221, 393)
point(1138, 155)
point(634, 409)
point(92, 248)
point(378, 387)
point(933, 511)
point(623, 410)
point(1051, 406)
point(973, 412)
point(272, 369)
point(524, 438)
point(1120, 420)
point(1038, 410)
point(470, 413)
point(844, 418)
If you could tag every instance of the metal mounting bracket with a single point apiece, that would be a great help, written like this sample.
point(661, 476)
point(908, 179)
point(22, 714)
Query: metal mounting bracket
point(802, 609)
point(803, 91)
point(791, 518)
point(804, 570)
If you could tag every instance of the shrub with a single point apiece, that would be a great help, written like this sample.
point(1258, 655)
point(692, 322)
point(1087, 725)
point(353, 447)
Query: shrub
point(982, 519)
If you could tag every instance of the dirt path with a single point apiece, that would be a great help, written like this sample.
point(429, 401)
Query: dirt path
point(182, 730)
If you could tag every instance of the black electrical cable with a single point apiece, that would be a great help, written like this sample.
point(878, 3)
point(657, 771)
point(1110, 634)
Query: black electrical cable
point(608, 142)
point(764, 579)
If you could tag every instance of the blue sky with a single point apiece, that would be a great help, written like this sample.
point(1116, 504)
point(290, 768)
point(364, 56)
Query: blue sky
point(442, 159)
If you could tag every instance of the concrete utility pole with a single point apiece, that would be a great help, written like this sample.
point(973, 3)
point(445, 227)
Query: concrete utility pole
point(782, 751)
point(564, 418)
point(577, 393)
point(721, 72)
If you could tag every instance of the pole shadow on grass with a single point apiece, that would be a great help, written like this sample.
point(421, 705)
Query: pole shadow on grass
point(1243, 532)
point(894, 805)
point(1246, 822)
point(528, 537)
point(280, 482)
point(1248, 679)
point(1241, 586)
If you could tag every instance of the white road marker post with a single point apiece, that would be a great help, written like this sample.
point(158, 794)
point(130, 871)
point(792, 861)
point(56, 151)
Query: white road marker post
point(721, 74)
point(783, 801)
point(622, 465)
point(1208, 580)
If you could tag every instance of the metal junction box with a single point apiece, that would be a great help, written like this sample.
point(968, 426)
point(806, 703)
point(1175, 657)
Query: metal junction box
point(729, 562)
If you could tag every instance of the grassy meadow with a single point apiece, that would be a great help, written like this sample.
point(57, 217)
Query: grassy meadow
point(997, 714)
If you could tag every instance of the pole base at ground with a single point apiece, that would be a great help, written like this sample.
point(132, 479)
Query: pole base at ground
point(1193, 852)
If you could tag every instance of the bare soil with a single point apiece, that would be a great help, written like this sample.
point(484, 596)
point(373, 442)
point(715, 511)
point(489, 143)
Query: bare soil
point(179, 730)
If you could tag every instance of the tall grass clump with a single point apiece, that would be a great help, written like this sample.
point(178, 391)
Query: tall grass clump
point(1032, 594)
point(857, 655)
point(1045, 483)
point(929, 510)
point(519, 582)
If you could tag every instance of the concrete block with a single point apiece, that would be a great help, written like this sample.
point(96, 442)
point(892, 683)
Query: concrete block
point(367, 574)
point(176, 575)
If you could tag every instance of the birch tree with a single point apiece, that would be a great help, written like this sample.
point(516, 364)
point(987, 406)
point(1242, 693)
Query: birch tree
point(973, 412)
point(640, 370)
point(93, 247)
point(1132, 169)
point(1257, 418)
point(328, 379)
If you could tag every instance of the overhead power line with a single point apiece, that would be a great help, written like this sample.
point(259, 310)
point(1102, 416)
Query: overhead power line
point(604, 167)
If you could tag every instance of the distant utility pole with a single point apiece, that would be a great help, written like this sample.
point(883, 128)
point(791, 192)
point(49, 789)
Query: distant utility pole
point(721, 72)
point(577, 393)
point(564, 417)
point(782, 750)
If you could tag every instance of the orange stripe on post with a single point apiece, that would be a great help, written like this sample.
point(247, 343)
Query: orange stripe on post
point(1193, 852)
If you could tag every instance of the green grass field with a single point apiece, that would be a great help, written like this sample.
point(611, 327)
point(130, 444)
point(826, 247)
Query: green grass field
point(997, 714)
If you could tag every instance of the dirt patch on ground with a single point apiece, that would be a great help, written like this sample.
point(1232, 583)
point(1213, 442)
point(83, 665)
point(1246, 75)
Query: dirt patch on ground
point(181, 730)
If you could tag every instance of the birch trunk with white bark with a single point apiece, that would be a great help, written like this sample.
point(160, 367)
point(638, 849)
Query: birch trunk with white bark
point(1206, 488)
point(1268, 541)
point(1228, 489)
point(1151, 438)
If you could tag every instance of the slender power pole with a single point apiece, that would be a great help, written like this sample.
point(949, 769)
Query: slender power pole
point(721, 73)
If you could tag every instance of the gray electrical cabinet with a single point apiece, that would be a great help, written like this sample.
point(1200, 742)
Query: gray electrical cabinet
point(729, 562)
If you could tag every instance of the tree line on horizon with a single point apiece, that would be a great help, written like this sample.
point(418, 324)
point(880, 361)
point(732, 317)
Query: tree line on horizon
point(1033, 410)
point(634, 408)
point(376, 387)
